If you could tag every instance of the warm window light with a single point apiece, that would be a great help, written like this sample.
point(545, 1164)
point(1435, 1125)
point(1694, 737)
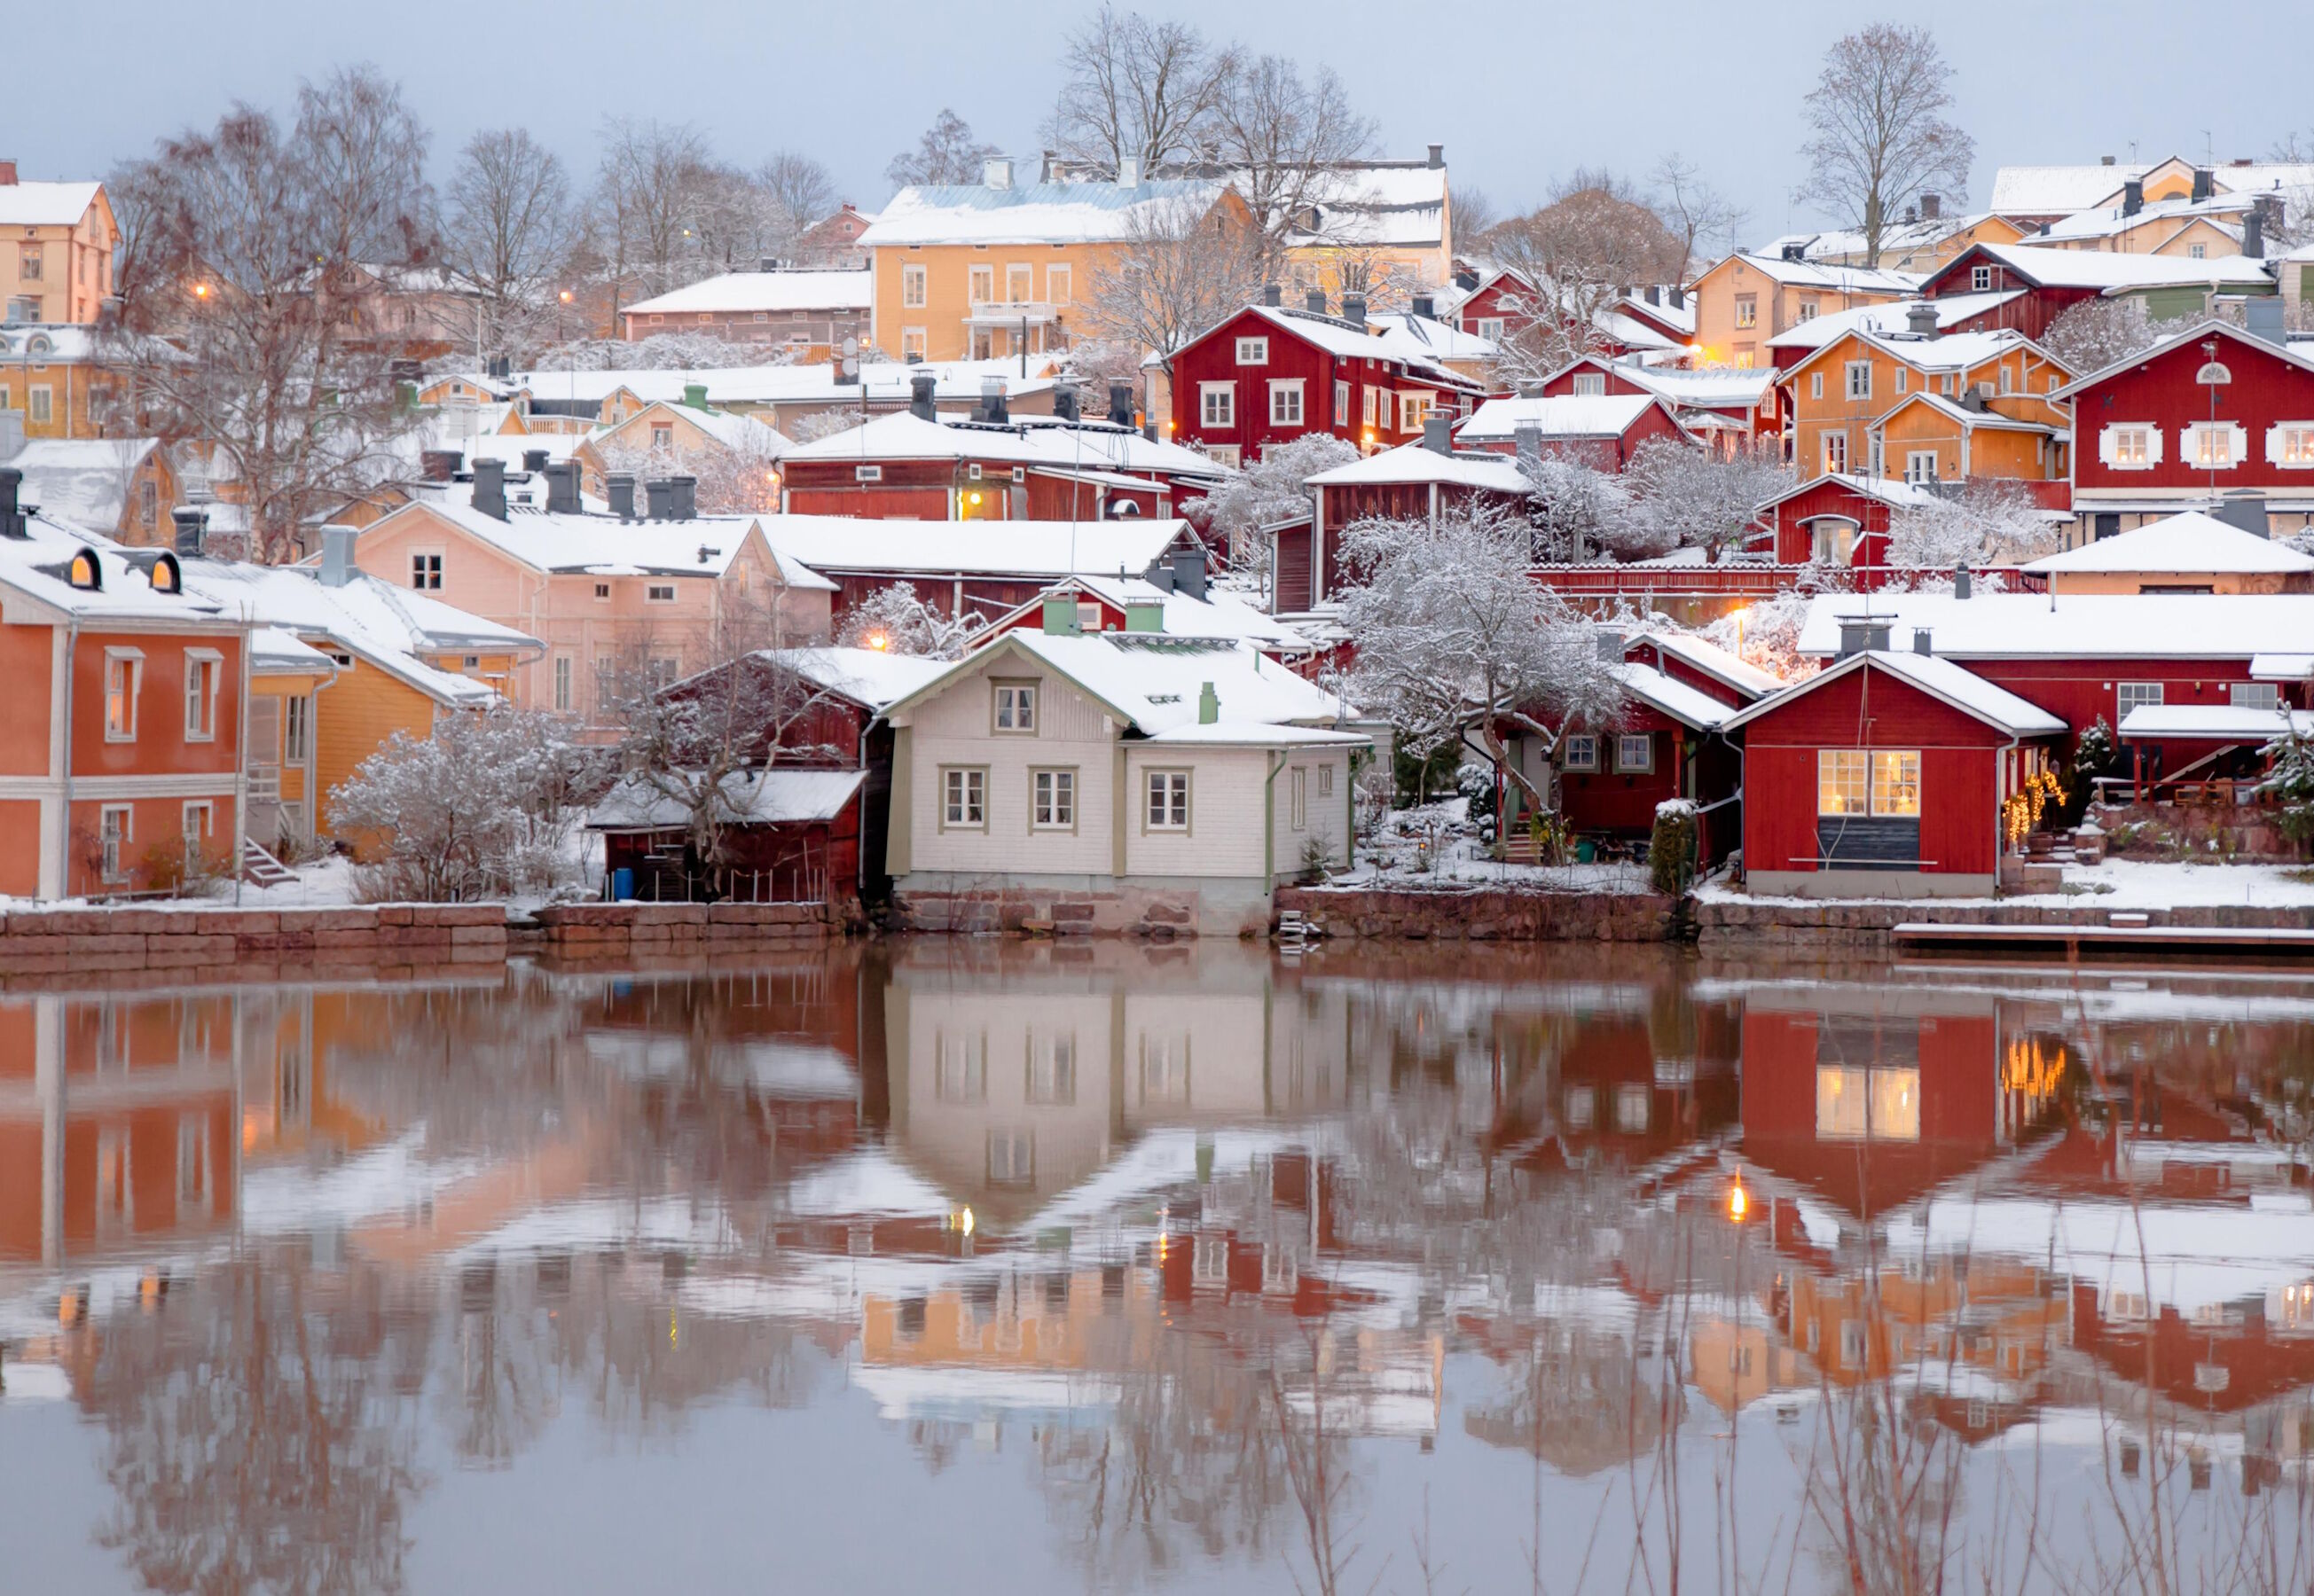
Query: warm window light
point(965, 1223)
point(1739, 1203)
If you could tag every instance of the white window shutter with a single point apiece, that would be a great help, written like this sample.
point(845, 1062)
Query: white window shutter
point(2152, 445)
point(2273, 444)
point(2105, 445)
point(2240, 453)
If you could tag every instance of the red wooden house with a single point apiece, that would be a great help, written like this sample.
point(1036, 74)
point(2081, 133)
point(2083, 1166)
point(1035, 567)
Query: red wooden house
point(1740, 402)
point(1884, 776)
point(2210, 411)
point(2052, 281)
point(1601, 430)
point(1267, 375)
point(1838, 519)
point(1412, 482)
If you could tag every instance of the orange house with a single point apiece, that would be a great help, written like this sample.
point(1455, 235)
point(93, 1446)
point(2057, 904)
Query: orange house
point(1927, 407)
point(1746, 300)
point(55, 260)
point(120, 733)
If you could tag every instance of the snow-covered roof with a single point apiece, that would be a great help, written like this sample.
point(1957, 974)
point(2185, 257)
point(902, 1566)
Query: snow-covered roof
point(1035, 213)
point(2297, 353)
point(1344, 341)
point(779, 796)
point(36, 566)
point(374, 619)
point(1893, 492)
point(1955, 684)
point(1675, 698)
point(742, 435)
point(881, 383)
point(1034, 441)
point(1416, 464)
point(1888, 316)
point(2220, 210)
point(1632, 332)
point(2191, 541)
point(2281, 667)
point(84, 481)
point(1718, 663)
point(763, 291)
point(2111, 272)
point(1217, 615)
point(1557, 416)
point(2091, 626)
point(1049, 550)
point(1716, 388)
point(869, 677)
point(1899, 238)
point(2219, 722)
point(1949, 351)
point(2061, 191)
point(1851, 279)
point(604, 546)
point(1423, 338)
point(1155, 683)
point(508, 448)
point(1960, 415)
point(46, 205)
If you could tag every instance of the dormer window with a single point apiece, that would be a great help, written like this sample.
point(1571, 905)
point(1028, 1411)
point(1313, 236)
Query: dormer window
point(85, 572)
point(168, 576)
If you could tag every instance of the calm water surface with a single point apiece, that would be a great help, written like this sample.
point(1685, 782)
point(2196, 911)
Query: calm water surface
point(1002, 1267)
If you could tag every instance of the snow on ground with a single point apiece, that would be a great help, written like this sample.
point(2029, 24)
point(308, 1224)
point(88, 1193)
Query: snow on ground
point(2119, 884)
point(1436, 846)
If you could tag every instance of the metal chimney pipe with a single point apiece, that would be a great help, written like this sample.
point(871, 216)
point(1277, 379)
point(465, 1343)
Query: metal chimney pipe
point(618, 487)
point(490, 489)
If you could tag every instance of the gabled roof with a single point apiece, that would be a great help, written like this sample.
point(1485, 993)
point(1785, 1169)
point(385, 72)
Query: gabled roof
point(2221, 210)
point(1893, 492)
point(2111, 273)
point(1941, 679)
point(2300, 355)
point(46, 205)
point(84, 481)
point(881, 383)
point(763, 291)
point(1425, 337)
point(1737, 673)
point(1339, 339)
point(1714, 388)
point(777, 796)
point(1687, 705)
point(1381, 202)
point(1152, 684)
point(1898, 238)
point(1415, 463)
point(1950, 351)
point(2061, 191)
point(1033, 213)
point(872, 678)
point(743, 435)
point(1890, 316)
point(1851, 279)
point(1960, 415)
point(1563, 416)
point(1030, 550)
point(2119, 626)
point(2188, 541)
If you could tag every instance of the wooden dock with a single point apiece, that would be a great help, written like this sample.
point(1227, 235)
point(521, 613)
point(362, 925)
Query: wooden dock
point(2074, 940)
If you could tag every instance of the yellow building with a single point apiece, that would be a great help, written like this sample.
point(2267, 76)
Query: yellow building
point(1000, 269)
point(56, 249)
point(1746, 300)
point(1917, 244)
point(1929, 407)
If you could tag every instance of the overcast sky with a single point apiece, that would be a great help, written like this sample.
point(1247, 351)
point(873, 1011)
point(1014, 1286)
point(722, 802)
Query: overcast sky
point(1532, 91)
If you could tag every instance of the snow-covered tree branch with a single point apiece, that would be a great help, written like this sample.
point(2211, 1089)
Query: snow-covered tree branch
point(1989, 520)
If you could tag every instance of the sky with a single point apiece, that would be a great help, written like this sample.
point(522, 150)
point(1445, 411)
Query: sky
point(1520, 94)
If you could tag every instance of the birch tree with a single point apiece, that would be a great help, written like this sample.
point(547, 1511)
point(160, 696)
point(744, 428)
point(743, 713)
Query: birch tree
point(1878, 137)
point(1451, 633)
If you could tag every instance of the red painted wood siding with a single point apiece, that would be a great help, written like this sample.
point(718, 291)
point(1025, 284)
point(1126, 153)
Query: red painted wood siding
point(1794, 542)
point(2030, 313)
point(2266, 389)
point(1213, 358)
point(1608, 800)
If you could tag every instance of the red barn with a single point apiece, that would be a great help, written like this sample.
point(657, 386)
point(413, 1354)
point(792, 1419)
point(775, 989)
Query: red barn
point(2211, 411)
point(2052, 281)
point(1884, 776)
point(1267, 375)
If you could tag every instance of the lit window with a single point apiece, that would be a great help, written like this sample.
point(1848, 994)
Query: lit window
point(1053, 799)
point(2130, 448)
point(1843, 778)
point(1580, 753)
point(1016, 706)
point(1897, 785)
point(964, 799)
point(1169, 801)
point(2291, 443)
point(1341, 403)
point(1835, 452)
point(2212, 445)
point(1253, 351)
point(124, 675)
point(1747, 310)
point(911, 342)
point(1413, 410)
point(1855, 1104)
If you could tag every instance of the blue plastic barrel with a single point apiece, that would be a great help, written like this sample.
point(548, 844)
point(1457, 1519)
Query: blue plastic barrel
point(622, 885)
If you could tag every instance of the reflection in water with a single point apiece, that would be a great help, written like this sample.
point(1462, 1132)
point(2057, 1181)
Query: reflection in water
point(1662, 1273)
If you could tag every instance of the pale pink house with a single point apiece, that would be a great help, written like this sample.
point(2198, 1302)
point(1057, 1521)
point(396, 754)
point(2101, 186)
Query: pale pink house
point(606, 595)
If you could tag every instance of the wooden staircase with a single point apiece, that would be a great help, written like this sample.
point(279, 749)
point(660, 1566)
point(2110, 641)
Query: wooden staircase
point(260, 869)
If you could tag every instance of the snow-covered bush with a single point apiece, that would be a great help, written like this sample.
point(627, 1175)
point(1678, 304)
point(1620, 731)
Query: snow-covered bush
point(662, 351)
point(1686, 498)
point(484, 806)
point(1579, 511)
point(2290, 784)
point(894, 620)
point(1989, 520)
point(826, 423)
point(1672, 847)
point(1767, 634)
point(2098, 332)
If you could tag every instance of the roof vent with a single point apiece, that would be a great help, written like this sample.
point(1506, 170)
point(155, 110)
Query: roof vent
point(1795, 251)
point(1064, 403)
point(1354, 310)
point(12, 514)
point(1438, 432)
point(2244, 509)
point(998, 173)
point(1425, 306)
point(1923, 641)
point(1272, 296)
point(1963, 584)
point(992, 399)
point(1209, 704)
point(192, 530)
point(1920, 320)
point(1313, 300)
point(490, 489)
point(1120, 404)
point(533, 460)
point(921, 386)
point(659, 499)
point(1128, 173)
point(683, 492)
point(562, 488)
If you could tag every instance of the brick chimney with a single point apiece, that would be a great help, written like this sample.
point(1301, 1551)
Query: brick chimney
point(7, 174)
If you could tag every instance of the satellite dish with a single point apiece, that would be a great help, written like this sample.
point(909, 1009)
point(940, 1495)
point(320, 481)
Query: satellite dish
point(851, 366)
point(851, 347)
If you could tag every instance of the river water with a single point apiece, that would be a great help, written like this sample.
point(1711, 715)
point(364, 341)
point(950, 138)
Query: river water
point(984, 1266)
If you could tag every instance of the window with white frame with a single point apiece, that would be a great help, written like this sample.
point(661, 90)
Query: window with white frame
point(562, 681)
point(1835, 452)
point(1285, 401)
point(2131, 695)
point(42, 404)
point(1226, 455)
point(964, 798)
point(203, 674)
point(2212, 445)
point(1897, 785)
point(1944, 384)
point(1060, 285)
point(124, 679)
point(199, 822)
point(1903, 379)
point(862, 474)
point(2008, 378)
point(1747, 310)
point(2197, 251)
point(1807, 312)
point(1341, 402)
point(1325, 781)
point(1979, 278)
point(1635, 752)
point(296, 727)
point(1844, 777)
point(1297, 803)
point(1857, 380)
point(1579, 751)
point(913, 341)
point(115, 825)
point(662, 436)
point(1019, 284)
point(1016, 706)
point(1167, 800)
point(980, 284)
point(1490, 328)
point(1052, 800)
point(2130, 445)
point(425, 572)
point(912, 290)
point(1413, 410)
point(1373, 405)
point(1052, 1068)
point(1919, 465)
point(1011, 1158)
point(1591, 383)
point(1216, 404)
point(1832, 539)
point(1253, 351)
point(1815, 384)
point(2291, 446)
point(961, 1066)
point(2255, 695)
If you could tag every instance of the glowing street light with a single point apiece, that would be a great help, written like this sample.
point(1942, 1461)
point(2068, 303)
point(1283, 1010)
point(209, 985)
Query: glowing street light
point(1739, 1203)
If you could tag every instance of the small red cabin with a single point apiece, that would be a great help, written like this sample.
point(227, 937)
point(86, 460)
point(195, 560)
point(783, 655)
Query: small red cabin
point(1884, 776)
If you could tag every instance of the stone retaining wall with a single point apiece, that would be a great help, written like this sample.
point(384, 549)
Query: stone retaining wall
point(621, 931)
point(1723, 924)
point(1504, 915)
point(250, 944)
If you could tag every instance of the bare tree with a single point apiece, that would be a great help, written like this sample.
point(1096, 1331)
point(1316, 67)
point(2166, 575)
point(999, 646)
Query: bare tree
point(1133, 86)
point(1988, 520)
point(1594, 240)
point(797, 192)
point(653, 185)
point(509, 227)
point(1182, 264)
point(1476, 215)
point(1288, 140)
point(947, 152)
point(1877, 135)
point(252, 239)
point(1687, 497)
point(1696, 214)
